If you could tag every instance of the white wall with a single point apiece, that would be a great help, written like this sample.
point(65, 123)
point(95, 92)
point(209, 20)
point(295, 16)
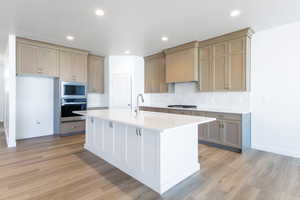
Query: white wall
point(187, 93)
point(35, 107)
point(10, 91)
point(275, 98)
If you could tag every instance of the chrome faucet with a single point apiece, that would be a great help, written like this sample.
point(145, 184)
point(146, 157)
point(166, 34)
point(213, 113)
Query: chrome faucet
point(137, 110)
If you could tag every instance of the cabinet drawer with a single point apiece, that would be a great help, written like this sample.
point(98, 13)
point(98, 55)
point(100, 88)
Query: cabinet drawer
point(224, 116)
point(199, 113)
point(145, 108)
point(70, 127)
point(153, 109)
point(180, 112)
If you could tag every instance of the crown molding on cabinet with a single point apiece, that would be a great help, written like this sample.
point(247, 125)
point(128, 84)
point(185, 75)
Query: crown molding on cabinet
point(157, 55)
point(51, 46)
point(228, 36)
point(94, 55)
point(225, 37)
point(188, 45)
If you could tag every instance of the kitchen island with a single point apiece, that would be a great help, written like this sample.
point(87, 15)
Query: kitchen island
point(158, 149)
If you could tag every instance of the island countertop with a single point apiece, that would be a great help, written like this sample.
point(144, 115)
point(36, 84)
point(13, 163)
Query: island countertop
point(147, 120)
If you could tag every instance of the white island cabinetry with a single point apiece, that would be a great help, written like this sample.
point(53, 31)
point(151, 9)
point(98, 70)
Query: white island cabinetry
point(159, 155)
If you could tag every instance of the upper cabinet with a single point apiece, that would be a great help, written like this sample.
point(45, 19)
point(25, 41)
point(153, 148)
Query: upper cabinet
point(224, 62)
point(95, 74)
point(73, 66)
point(155, 73)
point(37, 59)
point(182, 63)
point(40, 58)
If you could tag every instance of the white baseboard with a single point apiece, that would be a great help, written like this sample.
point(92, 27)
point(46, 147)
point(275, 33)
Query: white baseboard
point(277, 150)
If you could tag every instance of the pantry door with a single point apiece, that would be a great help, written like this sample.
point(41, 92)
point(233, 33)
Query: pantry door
point(121, 91)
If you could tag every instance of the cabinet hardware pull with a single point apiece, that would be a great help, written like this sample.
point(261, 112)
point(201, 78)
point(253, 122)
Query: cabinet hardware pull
point(110, 125)
point(136, 132)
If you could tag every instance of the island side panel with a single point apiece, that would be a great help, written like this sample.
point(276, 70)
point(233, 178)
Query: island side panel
point(89, 134)
point(178, 155)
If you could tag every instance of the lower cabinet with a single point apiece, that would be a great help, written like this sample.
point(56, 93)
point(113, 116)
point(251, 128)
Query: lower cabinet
point(120, 143)
point(149, 155)
point(232, 133)
point(203, 131)
point(133, 149)
point(128, 147)
point(109, 138)
point(72, 127)
point(225, 132)
point(215, 132)
point(230, 130)
point(152, 156)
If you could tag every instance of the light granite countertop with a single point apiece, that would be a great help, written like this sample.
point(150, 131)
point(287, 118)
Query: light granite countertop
point(207, 109)
point(148, 120)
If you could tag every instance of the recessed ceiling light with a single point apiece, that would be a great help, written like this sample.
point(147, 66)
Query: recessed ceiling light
point(99, 12)
point(164, 39)
point(70, 37)
point(235, 13)
point(127, 52)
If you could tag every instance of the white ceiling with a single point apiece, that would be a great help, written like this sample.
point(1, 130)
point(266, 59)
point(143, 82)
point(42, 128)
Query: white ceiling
point(137, 25)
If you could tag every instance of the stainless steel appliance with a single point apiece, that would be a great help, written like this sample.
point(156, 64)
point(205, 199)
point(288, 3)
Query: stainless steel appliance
point(72, 123)
point(73, 90)
point(73, 98)
point(70, 105)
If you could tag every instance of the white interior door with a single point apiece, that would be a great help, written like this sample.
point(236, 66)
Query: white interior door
point(121, 91)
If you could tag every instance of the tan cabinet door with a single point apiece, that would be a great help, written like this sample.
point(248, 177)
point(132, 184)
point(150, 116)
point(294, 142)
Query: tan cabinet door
point(73, 67)
point(155, 74)
point(205, 69)
point(203, 131)
point(162, 73)
point(66, 72)
point(95, 74)
point(147, 77)
point(220, 67)
point(79, 63)
point(232, 133)
point(27, 59)
point(48, 61)
point(215, 132)
point(237, 64)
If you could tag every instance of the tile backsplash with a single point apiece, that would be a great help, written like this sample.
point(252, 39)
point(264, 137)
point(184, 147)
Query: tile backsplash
point(187, 93)
point(97, 100)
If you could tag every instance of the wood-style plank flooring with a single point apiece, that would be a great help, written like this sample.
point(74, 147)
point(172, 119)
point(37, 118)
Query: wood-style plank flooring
point(58, 168)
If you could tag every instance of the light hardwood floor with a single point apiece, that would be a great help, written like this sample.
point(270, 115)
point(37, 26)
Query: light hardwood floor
point(58, 168)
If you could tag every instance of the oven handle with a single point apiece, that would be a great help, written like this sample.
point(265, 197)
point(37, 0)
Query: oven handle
point(74, 103)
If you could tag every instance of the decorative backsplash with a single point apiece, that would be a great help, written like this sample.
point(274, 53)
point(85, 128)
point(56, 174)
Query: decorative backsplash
point(187, 93)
